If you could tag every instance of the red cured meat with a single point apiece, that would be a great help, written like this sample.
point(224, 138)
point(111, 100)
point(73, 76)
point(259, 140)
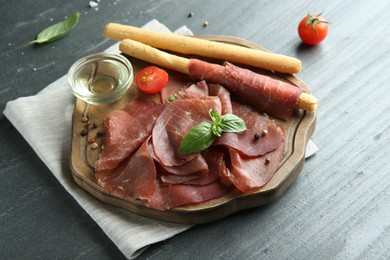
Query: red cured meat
point(142, 163)
point(175, 122)
point(216, 168)
point(179, 179)
point(176, 83)
point(245, 142)
point(197, 165)
point(199, 89)
point(224, 96)
point(171, 196)
point(247, 173)
point(266, 94)
point(104, 175)
point(137, 179)
point(119, 123)
point(126, 133)
point(212, 73)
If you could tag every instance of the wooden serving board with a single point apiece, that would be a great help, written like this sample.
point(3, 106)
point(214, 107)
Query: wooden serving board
point(298, 131)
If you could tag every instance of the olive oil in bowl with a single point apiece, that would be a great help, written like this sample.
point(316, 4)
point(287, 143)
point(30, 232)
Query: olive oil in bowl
point(100, 78)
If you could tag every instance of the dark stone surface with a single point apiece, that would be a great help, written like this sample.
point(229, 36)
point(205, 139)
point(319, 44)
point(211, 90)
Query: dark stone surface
point(337, 208)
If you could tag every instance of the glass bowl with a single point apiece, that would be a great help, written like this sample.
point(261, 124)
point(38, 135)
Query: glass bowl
point(100, 78)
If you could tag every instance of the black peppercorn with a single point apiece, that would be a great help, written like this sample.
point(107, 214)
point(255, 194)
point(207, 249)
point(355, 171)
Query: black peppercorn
point(84, 132)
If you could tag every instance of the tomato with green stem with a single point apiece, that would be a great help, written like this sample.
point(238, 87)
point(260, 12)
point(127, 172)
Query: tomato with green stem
point(151, 79)
point(313, 29)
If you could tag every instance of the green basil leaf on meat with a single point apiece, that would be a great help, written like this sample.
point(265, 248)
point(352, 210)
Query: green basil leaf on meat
point(231, 123)
point(199, 138)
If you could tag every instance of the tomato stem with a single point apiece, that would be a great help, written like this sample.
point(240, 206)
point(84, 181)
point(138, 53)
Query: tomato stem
point(313, 20)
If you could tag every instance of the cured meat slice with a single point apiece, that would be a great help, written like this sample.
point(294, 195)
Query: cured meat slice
point(247, 173)
point(179, 179)
point(175, 122)
point(171, 196)
point(224, 96)
point(126, 133)
point(212, 73)
point(197, 165)
point(199, 89)
point(176, 83)
point(266, 94)
point(268, 135)
point(118, 123)
point(216, 165)
point(137, 179)
point(216, 168)
point(104, 175)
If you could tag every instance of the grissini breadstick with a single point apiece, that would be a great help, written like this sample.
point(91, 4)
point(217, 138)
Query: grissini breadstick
point(205, 48)
point(147, 53)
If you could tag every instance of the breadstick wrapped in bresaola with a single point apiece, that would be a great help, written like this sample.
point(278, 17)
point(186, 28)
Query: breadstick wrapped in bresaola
point(268, 95)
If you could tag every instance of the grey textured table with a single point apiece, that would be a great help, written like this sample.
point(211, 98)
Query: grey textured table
point(337, 209)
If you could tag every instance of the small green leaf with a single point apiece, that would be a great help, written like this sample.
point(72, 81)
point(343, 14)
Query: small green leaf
point(203, 135)
point(199, 138)
point(217, 130)
point(231, 123)
point(58, 30)
point(215, 116)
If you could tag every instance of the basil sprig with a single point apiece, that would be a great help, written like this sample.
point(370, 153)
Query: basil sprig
point(203, 135)
point(58, 30)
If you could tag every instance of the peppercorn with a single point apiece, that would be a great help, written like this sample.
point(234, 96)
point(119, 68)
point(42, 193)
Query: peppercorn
point(99, 134)
point(84, 119)
point(84, 132)
point(256, 136)
point(205, 23)
point(94, 146)
point(264, 132)
point(91, 140)
point(267, 161)
point(94, 125)
point(190, 14)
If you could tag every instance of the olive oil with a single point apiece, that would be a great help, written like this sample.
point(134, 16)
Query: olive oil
point(101, 78)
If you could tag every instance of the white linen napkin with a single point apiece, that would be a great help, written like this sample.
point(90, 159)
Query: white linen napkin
point(38, 118)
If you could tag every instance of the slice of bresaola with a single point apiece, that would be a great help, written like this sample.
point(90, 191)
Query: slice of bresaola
point(138, 180)
point(175, 122)
point(247, 173)
point(266, 94)
point(262, 134)
point(126, 131)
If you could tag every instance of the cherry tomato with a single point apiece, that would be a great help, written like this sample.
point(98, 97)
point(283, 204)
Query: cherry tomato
point(313, 29)
point(151, 79)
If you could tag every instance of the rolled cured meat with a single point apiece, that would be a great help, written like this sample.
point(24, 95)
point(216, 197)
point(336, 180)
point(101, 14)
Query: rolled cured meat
point(274, 97)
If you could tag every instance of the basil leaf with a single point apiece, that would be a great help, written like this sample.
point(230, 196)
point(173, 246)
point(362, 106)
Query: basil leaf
point(215, 116)
point(58, 30)
point(216, 129)
point(231, 123)
point(199, 138)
